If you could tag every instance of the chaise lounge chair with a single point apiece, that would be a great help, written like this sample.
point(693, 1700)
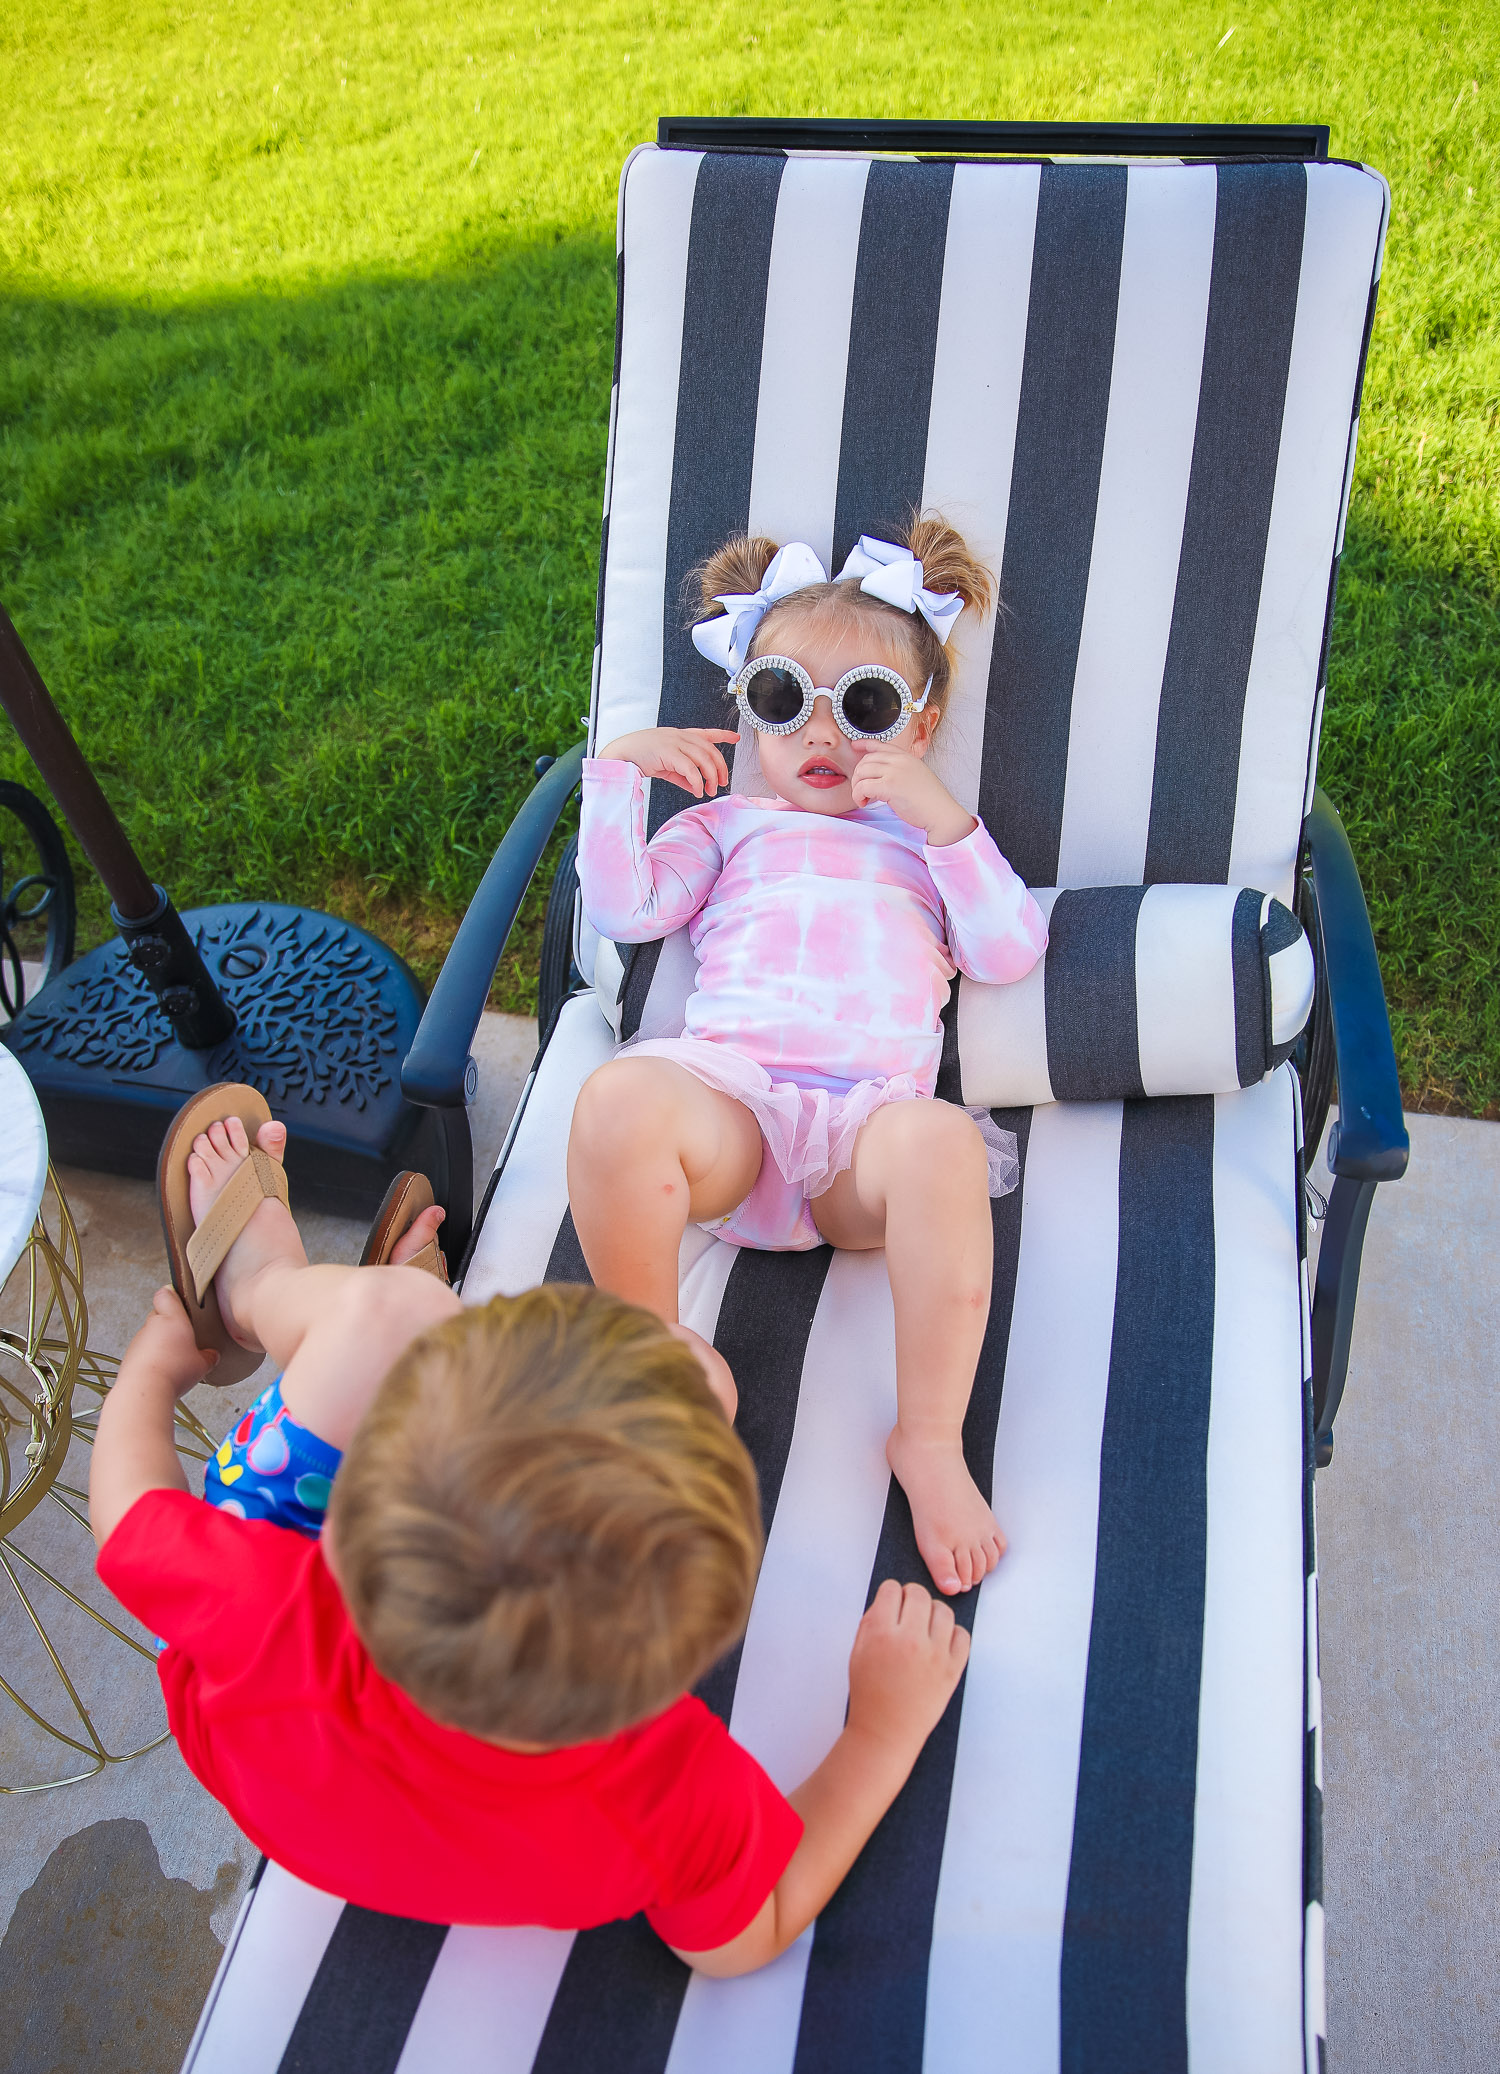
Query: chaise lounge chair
point(1135, 388)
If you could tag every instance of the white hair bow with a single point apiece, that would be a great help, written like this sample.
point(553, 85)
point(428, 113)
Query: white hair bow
point(727, 641)
point(894, 574)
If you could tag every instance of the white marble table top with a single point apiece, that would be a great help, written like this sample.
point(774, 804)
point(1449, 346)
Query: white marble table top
point(23, 1159)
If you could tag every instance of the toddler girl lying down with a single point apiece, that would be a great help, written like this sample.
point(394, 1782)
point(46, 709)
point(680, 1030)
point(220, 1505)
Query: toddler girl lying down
point(467, 1699)
point(828, 921)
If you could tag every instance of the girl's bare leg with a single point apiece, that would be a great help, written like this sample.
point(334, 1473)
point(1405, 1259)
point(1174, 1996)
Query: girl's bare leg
point(651, 1147)
point(918, 1186)
point(333, 1331)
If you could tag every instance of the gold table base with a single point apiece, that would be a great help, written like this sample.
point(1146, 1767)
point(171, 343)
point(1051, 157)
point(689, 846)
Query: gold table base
point(52, 1384)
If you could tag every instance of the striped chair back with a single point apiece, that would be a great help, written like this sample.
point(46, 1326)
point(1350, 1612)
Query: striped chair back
point(1133, 388)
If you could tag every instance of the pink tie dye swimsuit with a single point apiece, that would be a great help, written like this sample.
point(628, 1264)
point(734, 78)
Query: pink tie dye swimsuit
point(827, 945)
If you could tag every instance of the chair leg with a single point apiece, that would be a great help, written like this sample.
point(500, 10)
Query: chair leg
point(1333, 1302)
point(443, 1149)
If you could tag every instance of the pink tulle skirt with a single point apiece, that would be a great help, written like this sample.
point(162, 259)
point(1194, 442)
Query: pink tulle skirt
point(809, 1134)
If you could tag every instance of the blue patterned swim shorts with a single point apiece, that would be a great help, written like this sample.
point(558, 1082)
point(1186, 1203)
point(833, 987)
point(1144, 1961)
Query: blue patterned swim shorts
point(271, 1468)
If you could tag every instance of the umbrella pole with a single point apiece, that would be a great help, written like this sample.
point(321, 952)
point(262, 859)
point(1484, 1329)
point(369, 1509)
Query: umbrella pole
point(156, 942)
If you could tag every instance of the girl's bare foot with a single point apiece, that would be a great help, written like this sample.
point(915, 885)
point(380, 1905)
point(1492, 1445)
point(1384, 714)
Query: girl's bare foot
point(957, 1535)
point(269, 1239)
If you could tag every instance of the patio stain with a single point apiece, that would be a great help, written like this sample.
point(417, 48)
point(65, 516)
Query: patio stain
point(107, 1962)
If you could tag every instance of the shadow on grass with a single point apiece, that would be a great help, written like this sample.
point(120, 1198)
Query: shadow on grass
point(312, 574)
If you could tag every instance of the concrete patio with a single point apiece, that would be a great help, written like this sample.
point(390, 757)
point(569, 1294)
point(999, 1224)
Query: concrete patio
point(116, 1894)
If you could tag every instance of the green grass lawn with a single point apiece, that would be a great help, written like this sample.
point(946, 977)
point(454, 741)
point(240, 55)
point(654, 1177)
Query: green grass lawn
point(305, 331)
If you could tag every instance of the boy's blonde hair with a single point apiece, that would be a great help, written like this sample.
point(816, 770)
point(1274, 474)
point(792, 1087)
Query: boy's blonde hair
point(947, 565)
point(545, 1529)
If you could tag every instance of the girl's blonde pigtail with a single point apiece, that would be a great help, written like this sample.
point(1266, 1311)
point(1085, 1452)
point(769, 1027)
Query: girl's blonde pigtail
point(947, 564)
point(734, 569)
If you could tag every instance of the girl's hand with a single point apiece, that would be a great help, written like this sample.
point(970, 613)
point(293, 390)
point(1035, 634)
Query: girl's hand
point(685, 756)
point(165, 1345)
point(905, 784)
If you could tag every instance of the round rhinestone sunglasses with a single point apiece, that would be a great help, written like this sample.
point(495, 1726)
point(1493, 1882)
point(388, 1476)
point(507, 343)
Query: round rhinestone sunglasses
point(871, 703)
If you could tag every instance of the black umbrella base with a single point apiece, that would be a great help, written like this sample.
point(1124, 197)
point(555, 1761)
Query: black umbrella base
point(326, 1014)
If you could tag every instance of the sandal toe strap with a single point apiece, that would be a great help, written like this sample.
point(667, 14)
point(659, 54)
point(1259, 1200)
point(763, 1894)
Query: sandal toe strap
point(429, 1260)
point(258, 1180)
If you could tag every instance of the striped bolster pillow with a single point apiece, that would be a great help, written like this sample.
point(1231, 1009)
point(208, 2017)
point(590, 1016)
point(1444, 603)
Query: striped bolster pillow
point(1144, 990)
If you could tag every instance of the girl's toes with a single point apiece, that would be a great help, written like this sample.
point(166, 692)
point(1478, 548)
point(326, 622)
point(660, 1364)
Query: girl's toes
point(271, 1138)
point(239, 1142)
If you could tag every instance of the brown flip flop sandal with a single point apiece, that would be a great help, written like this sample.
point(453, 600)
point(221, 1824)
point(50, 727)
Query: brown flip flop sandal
point(196, 1254)
point(405, 1200)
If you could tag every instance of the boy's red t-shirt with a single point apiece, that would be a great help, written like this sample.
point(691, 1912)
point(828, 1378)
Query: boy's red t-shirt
point(343, 1780)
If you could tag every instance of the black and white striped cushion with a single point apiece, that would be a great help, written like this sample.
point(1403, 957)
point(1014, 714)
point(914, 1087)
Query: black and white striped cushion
point(1143, 990)
point(1098, 1863)
point(1134, 389)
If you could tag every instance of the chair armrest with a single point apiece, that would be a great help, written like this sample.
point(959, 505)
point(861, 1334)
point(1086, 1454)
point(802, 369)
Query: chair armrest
point(438, 1069)
point(1370, 1142)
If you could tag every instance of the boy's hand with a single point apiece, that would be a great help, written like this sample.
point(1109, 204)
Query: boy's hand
point(165, 1343)
point(133, 1451)
point(904, 783)
point(908, 1656)
point(685, 756)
